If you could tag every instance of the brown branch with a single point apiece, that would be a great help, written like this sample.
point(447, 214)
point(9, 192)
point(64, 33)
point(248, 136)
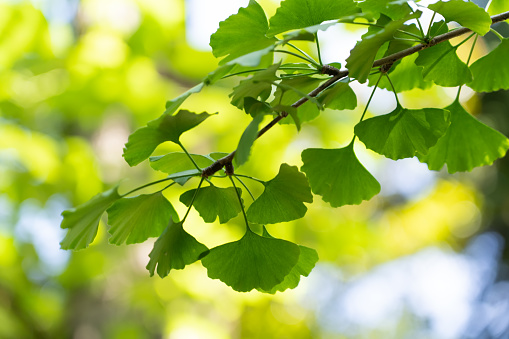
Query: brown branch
point(337, 75)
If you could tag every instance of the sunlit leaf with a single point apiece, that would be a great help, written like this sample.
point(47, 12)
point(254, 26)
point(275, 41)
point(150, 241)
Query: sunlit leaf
point(134, 220)
point(498, 6)
point(307, 261)
point(468, 143)
point(253, 262)
point(442, 66)
point(362, 56)
point(282, 199)
point(403, 132)
point(247, 139)
point(339, 97)
point(467, 14)
point(338, 176)
point(182, 177)
point(212, 202)
point(167, 127)
point(174, 104)
point(178, 162)
point(307, 33)
point(394, 10)
point(491, 72)
point(83, 220)
point(295, 14)
point(174, 249)
point(258, 86)
point(241, 33)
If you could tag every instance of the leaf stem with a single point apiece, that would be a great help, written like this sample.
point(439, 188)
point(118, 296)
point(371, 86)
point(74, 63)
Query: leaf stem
point(430, 24)
point(381, 26)
point(192, 200)
point(468, 61)
point(249, 177)
point(189, 156)
point(393, 89)
point(318, 49)
point(145, 186)
point(370, 97)
point(247, 189)
point(497, 34)
point(303, 53)
point(241, 204)
point(298, 56)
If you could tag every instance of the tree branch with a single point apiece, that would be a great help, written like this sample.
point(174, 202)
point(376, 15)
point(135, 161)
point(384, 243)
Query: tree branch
point(339, 74)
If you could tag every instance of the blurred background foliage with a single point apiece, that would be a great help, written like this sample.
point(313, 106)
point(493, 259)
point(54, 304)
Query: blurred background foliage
point(424, 259)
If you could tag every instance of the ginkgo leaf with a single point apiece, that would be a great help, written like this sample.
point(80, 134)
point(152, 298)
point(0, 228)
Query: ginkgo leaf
point(498, 6)
point(307, 261)
point(134, 220)
point(241, 33)
point(491, 72)
point(253, 262)
point(285, 96)
point(174, 249)
point(295, 14)
point(467, 14)
point(306, 33)
point(246, 140)
point(182, 177)
point(468, 143)
point(282, 199)
point(394, 10)
point(167, 127)
point(362, 56)
point(338, 176)
point(83, 221)
point(258, 86)
point(403, 132)
point(212, 202)
point(339, 97)
point(442, 66)
point(172, 105)
point(178, 162)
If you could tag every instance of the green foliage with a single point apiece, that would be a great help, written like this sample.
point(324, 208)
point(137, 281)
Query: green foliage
point(253, 262)
point(282, 199)
point(83, 220)
point(338, 176)
point(404, 132)
point(134, 220)
point(174, 249)
point(301, 88)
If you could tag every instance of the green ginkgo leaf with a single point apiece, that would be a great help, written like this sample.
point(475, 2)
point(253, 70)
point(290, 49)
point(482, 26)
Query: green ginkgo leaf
point(491, 72)
point(393, 9)
point(339, 97)
point(241, 33)
point(296, 14)
point(134, 220)
point(468, 143)
point(403, 132)
point(247, 139)
point(362, 56)
point(178, 162)
point(338, 176)
point(307, 261)
point(258, 86)
point(174, 249)
point(83, 221)
point(253, 262)
point(167, 127)
point(442, 66)
point(283, 198)
point(467, 14)
point(212, 202)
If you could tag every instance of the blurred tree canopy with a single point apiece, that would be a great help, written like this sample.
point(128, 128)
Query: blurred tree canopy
point(77, 77)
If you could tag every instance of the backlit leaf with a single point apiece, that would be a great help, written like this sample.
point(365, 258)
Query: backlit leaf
point(247, 139)
point(178, 162)
point(134, 220)
point(283, 198)
point(390, 8)
point(174, 249)
point(403, 132)
point(258, 86)
point(338, 176)
point(468, 143)
point(167, 127)
point(295, 14)
point(83, 220)
point(491, 72)
point(253, 262)
point(467, 14)
point(339, 97)
point(442, 66)
point(212, 202)
point(241, 33)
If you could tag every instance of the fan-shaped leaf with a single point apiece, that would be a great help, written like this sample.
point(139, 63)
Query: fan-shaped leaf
point(252, 262)
point(283, 198)
point(134, 220)
point(178, 162)
point(247, 139)
point(467, 14)
point(83, 220)
point(338, 176)
point(174, 249)
point(403, 132)
point(491, 72)
point(339, 97)
point(468, 143)
point(258, 86)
